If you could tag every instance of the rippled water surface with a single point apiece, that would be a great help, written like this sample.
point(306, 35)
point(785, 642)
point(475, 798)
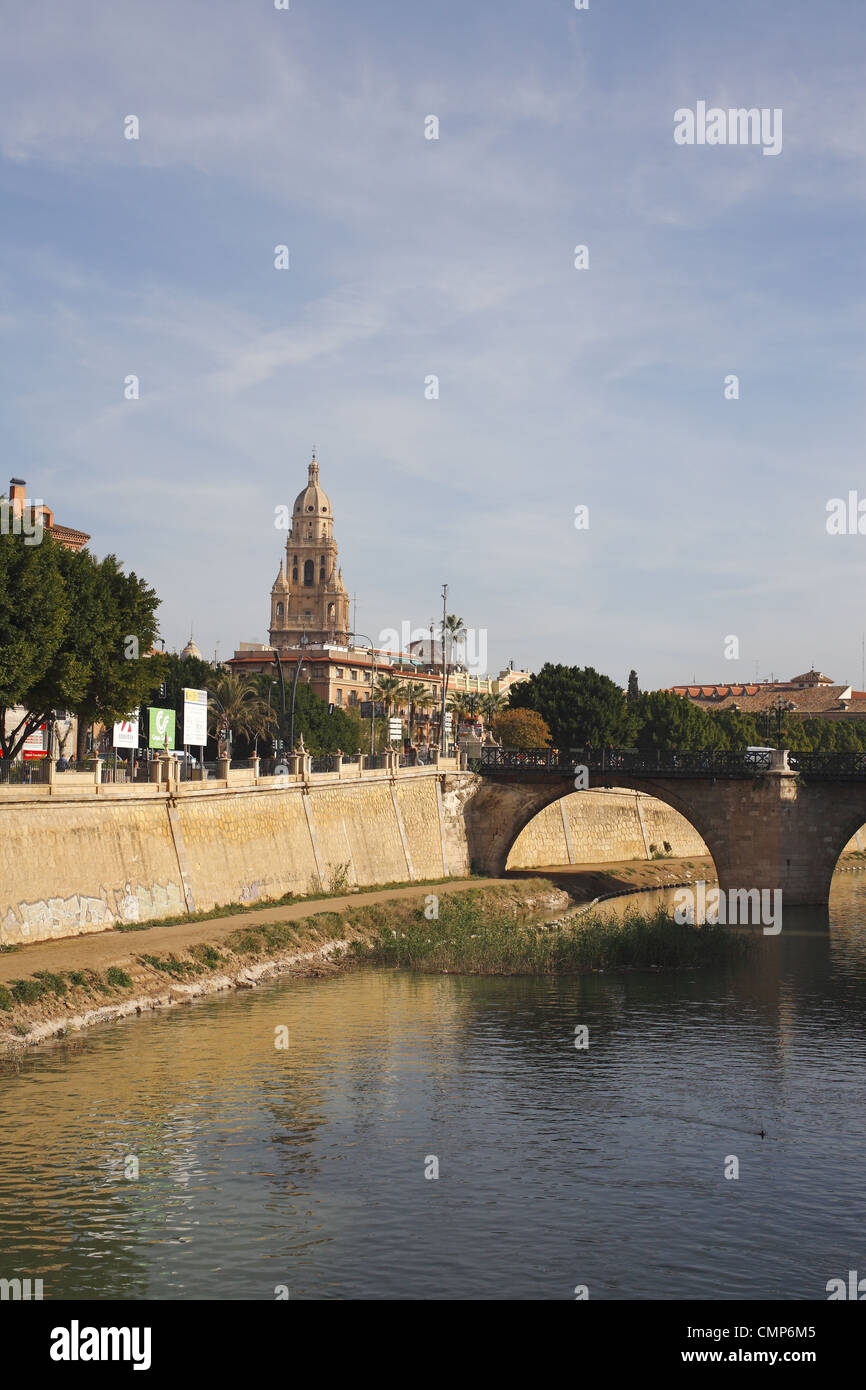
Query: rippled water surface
point(305, 1167)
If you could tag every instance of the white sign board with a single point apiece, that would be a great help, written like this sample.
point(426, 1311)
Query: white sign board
point(195, 717)
point(448, 721)
point(395, 729)
point(126, 734)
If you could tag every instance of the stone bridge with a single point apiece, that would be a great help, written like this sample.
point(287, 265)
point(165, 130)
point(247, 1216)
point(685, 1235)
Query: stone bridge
point(770, 820)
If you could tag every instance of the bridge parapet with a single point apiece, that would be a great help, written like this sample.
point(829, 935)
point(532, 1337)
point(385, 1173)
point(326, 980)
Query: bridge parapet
point(668, 762)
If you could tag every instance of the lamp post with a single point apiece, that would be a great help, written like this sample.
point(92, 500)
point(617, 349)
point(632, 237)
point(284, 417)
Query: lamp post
point(301, 643)
point(779, 707)
point(282, 729)
point(443, 739)
point(372, 688)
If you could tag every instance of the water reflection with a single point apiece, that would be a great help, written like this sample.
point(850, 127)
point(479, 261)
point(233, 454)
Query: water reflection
point(305, 1167)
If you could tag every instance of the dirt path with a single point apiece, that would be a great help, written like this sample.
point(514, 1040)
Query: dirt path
point(97, 950)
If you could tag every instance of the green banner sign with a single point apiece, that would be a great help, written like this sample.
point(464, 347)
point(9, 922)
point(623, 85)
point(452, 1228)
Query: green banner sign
point(160, 728)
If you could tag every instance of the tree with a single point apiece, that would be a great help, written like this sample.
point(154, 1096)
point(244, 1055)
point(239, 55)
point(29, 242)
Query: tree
point(388, 689)
point(417, 696)
point(236, 707)
point(580, 706)
point(74, 634)
point(671, 721)
point(324, 732)
point(522, 728)
point(491, 704)
point(633, 688)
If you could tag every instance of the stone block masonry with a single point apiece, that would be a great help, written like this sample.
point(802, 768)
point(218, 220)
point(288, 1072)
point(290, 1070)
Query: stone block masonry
point(81, 864)
point(594, 827)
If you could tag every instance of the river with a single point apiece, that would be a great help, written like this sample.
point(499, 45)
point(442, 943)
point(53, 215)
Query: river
point(300, 1170)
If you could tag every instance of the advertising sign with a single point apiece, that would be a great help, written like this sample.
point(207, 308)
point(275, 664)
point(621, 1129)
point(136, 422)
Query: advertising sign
point(160, 728)
point(34, 744)
point(125, 734)
point(195, 717)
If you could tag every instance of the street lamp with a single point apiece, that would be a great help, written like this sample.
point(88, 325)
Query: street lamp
point(303, 641)
point(372, 687)
point(779, 707)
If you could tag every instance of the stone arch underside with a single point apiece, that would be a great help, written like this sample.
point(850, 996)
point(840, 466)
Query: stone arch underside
point(604, 825)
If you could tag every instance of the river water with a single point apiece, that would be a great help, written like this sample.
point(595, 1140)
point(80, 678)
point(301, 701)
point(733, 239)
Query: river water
point(301, 1170)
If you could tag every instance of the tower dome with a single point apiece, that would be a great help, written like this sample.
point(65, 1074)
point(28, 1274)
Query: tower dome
point(190, 650)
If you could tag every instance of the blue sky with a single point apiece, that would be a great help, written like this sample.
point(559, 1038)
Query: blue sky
point(411, 257)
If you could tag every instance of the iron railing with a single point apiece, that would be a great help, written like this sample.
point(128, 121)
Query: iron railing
point(647, 762)
point(828, 764)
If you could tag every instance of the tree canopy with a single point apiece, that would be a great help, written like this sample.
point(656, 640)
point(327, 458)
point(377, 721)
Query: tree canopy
point(74, 635)
point(579, 705)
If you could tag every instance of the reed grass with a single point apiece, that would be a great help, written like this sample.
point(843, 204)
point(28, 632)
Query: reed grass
point(469, 938)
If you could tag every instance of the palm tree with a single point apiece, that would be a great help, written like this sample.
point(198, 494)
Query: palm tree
point(417, 696)
point(458, 704)
point(389, 690)
point(492, 704)
point(235, 704)
point(453, 628)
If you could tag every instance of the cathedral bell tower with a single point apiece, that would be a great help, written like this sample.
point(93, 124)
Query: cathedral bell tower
point(309, 597)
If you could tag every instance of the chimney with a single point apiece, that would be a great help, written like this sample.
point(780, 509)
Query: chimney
point(17, 495)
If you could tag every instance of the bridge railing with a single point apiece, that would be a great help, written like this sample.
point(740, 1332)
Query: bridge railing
point(828, 764)
point(670, 763)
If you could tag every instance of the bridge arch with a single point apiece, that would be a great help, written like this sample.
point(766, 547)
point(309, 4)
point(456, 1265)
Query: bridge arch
point(603, 825)
point(776, 825)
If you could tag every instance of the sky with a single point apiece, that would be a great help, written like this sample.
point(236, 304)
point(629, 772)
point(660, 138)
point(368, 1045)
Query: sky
point(602, 387)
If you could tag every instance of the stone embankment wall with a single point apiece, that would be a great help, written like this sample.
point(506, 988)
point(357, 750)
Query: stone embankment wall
point(593, 827)
point(84, 863)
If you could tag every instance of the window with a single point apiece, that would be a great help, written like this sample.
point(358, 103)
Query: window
point(354, 675)
point(279, 610)
point(339, 697)
point(353, 697)
point(308, 574)
point(295, 574)
point(339, 673)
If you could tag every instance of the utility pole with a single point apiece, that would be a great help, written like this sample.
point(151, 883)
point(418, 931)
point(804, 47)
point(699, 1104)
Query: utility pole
point(444, 747)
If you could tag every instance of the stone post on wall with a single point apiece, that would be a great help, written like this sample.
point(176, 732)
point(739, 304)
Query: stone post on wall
point(223, 769)
point(338, 764)
point(97, 772)
point(256, 762)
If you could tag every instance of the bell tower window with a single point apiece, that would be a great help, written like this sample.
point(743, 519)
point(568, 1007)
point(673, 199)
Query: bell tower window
point(308, 574)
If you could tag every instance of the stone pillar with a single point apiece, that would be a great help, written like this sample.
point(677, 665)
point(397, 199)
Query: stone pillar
point(296, 764)
point(436, 756)
point(97, 772)
point(52, 770)
point(154, 771)
point(256, 762)
point(338, 764)
point(362, 760)
point(307, 765)
point(223, 769)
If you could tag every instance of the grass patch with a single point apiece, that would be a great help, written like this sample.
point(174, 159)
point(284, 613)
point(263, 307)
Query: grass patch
point(118, 978)
point(54, 984)
point(6, 1000)
point(170, 965)
point(469, 938)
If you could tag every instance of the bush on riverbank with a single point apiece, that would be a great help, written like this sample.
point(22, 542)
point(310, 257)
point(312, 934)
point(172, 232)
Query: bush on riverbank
point(467, 940)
